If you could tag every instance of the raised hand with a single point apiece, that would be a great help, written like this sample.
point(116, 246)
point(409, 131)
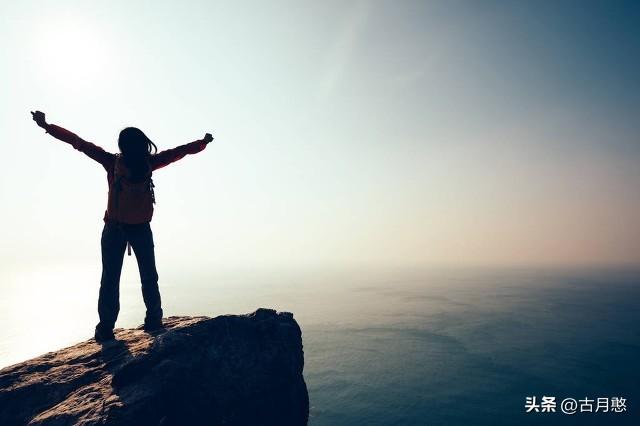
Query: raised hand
point(208, 138)
point(39, 118)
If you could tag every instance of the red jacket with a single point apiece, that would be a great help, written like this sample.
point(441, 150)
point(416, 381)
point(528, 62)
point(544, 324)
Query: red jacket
point(108, 159)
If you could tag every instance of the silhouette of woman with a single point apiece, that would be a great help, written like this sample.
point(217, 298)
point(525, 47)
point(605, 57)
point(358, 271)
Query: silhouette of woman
point(128, 215)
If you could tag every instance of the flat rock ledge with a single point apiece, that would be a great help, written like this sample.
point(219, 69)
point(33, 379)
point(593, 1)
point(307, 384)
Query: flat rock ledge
point(228, 370)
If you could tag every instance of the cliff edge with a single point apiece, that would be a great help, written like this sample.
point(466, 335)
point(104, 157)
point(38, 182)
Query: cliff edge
point(228, 370)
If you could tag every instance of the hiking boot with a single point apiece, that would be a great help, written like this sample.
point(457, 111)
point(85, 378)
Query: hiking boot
point(153, 325)
point(103, 335)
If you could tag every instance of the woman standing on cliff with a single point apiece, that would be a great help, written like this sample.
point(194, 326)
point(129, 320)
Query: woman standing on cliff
point(128, 215)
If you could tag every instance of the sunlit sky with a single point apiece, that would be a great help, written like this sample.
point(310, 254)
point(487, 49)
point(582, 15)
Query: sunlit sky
point(347, 133)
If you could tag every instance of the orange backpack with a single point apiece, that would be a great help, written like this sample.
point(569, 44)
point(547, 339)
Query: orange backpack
point(130, 202)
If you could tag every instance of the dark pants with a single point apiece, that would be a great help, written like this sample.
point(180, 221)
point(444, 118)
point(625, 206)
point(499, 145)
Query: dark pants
point(114, 242)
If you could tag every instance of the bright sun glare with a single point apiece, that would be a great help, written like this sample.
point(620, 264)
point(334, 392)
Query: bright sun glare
point(73, 52)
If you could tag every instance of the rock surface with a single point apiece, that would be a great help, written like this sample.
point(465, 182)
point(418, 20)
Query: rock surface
point(228, 370)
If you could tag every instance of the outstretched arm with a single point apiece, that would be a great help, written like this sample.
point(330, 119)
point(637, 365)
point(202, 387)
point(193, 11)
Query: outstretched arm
point(167, 157)
point(92, 151)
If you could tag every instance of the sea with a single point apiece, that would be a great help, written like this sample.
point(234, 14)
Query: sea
point(439, 346)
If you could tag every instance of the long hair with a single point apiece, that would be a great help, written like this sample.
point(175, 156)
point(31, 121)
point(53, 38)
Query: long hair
point(136, 148)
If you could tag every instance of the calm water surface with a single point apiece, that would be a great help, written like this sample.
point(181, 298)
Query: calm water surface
point(446, 347)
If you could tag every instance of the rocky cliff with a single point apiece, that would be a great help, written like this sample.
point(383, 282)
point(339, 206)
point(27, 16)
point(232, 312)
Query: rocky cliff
point(228, 370)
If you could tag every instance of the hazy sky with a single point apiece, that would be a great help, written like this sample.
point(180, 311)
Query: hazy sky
point(347, 133)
